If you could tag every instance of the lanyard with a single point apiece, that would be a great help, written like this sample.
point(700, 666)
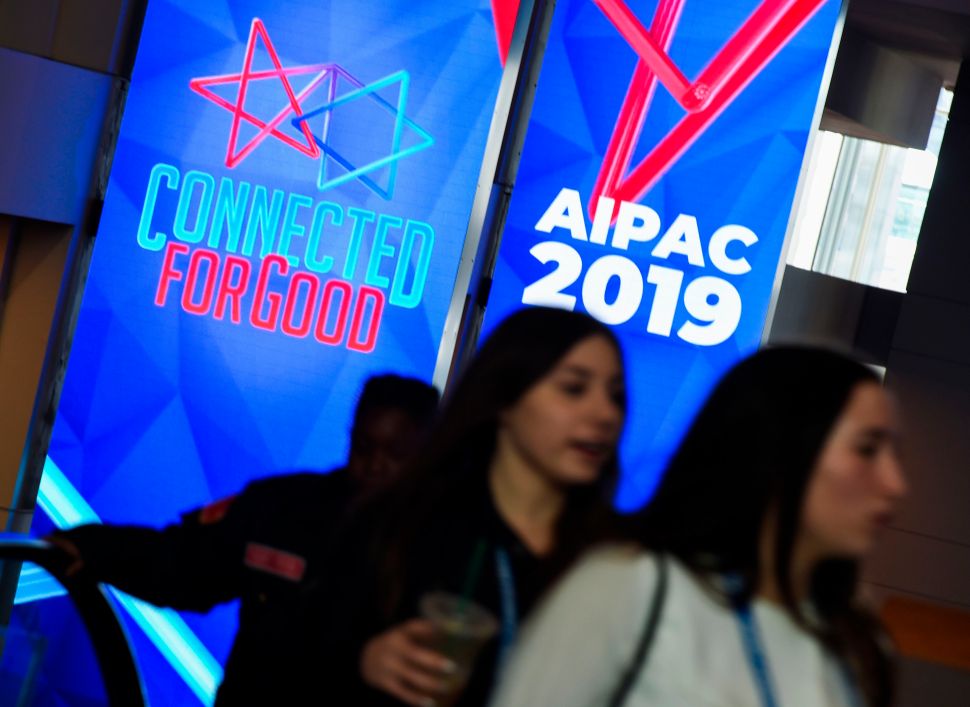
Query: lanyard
point(757, 658)
point(758, 661)
point(510, 611)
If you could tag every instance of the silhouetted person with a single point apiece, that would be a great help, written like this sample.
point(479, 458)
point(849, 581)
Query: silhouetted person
point(267, 546)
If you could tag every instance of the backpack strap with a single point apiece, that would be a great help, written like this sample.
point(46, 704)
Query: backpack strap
point(646, 637)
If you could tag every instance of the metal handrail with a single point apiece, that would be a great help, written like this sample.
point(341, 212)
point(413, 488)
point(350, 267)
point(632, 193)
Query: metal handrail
point(122, 682)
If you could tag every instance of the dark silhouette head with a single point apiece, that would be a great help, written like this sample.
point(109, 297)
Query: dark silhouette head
point(391, 420)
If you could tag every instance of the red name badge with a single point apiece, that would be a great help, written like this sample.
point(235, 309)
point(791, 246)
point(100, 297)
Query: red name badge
point(216, 511)
point(766, 31)
point(273, 561)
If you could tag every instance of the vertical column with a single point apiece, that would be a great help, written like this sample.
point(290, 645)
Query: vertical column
point(8, 472)
point(925, 556)
point(34, 274)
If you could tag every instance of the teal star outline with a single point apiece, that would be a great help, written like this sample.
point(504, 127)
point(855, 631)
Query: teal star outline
point(396, 154)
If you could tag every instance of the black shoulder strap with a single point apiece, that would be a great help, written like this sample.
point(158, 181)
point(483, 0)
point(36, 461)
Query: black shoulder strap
point(646, 638)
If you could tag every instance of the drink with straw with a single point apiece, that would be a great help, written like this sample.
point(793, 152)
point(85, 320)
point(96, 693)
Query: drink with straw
point(461, 629)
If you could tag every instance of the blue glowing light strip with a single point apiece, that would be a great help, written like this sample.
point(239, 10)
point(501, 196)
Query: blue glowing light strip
point(165, 628)
point(35, 584)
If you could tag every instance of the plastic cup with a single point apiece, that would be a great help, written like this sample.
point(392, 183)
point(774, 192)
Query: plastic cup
point(462, 628)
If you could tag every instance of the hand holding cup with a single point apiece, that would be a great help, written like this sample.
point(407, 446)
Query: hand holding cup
point(400, 663)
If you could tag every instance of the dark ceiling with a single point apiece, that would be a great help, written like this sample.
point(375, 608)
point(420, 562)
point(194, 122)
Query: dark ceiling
point(936, 32)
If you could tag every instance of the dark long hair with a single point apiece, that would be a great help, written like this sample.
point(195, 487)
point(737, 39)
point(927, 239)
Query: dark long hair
point(520, 351)
point(749, 453)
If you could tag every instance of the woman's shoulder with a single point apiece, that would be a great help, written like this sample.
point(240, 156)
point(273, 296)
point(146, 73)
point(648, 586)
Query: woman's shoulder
point(595, 614)
point(624, 574)
point(623, 558)
point(614, 571)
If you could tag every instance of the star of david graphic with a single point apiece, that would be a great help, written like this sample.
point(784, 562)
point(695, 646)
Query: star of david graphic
point(244, 79)
point(762, 35)
point(328, 74)
point(397, 151)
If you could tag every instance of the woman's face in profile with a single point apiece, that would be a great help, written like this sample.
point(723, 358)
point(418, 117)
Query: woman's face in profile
point(857, 481)
point(566, 426)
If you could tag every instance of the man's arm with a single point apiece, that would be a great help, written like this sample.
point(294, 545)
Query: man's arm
point(193, 564)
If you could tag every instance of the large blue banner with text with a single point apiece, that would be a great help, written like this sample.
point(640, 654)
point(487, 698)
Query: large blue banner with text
point(285, 215)
point(655, 187)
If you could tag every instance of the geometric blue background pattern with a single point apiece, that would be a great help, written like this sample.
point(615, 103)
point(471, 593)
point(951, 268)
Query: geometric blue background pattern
point(743, 170)
point(163, 410)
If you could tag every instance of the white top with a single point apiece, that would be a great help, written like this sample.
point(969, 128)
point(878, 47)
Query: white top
point(582, 638)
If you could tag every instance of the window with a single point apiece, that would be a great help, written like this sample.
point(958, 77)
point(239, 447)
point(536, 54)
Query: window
point(863, 205)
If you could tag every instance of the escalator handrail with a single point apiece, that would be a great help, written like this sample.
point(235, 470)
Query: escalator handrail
point(122, 682)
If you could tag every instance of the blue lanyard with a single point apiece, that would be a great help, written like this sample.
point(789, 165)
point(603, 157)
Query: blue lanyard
point(851, 690)
point(758, 661)
point(757, 658)
point(510, 611)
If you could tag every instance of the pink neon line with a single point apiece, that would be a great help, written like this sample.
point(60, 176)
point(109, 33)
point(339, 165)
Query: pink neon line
point(268, 129)
point(265, 74)
point(304, 128)
point(628, 124)
point(274, 57)
point(739, 47)
point(241, 92)
point(692, 126)
point(199, 86)
point(648, 49)
point(636, 104)
point(249, 117)
point(504, 12)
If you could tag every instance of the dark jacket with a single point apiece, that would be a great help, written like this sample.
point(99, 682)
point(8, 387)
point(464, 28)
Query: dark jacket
point(267, 546)
point(440, 557)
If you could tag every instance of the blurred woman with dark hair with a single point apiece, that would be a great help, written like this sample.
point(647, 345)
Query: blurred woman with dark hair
point(743, 588)
point(516, 480)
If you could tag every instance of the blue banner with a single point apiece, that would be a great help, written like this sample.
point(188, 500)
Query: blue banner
point(285, 214)
point(655, 188)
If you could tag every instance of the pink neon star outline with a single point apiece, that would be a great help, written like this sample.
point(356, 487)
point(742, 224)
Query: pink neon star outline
point(766, 31)
point(199, 85)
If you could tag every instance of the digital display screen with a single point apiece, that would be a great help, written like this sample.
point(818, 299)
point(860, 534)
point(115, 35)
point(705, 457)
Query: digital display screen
point(284, 218)
point(655, 186)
